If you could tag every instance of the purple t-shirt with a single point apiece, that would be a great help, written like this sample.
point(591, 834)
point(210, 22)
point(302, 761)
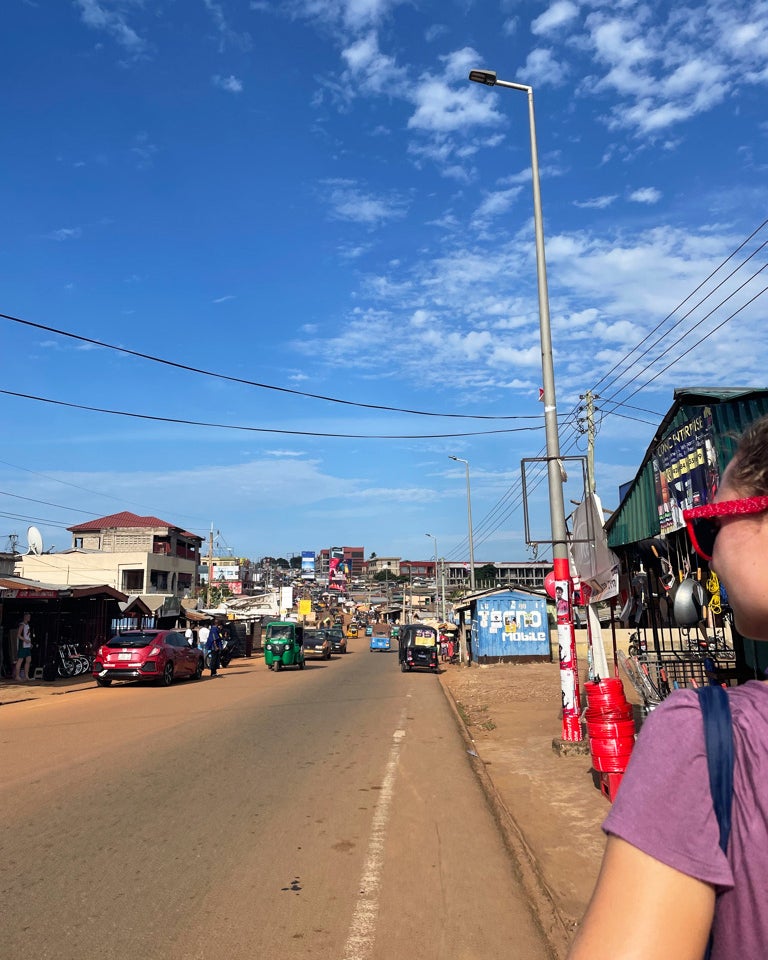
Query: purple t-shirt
point(664, 808)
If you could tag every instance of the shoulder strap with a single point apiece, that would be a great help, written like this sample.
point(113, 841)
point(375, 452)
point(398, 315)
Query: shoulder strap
point(718, 737)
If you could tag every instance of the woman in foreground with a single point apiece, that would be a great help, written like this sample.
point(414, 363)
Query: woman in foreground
point(665, 883)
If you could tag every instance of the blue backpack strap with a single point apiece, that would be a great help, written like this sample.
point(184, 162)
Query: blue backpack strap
point(718, 739)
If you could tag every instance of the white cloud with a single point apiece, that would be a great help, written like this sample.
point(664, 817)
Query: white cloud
point(227, 35)
point(371, 70)
point(227, 296)
point(231, 84)
point(353, 15)
point(496, 204)
point(144, 151)
point(596, 203)
point(561, 12)
point(542, 69)
point(348, 202)
point(435, 31)
point(668, 65)
point(645, 195)
point(103, 16)
point(65, 233)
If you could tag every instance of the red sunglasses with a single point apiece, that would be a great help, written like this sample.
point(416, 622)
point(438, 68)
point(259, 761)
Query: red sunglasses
point(703, 526)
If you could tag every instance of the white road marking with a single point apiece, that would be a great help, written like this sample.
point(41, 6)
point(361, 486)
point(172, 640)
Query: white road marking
point(362, 929)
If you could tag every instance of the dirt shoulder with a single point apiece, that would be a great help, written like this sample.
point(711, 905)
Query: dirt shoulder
point(512, 713)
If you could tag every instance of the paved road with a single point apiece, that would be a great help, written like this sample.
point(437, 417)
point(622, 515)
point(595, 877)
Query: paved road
point(326, 813)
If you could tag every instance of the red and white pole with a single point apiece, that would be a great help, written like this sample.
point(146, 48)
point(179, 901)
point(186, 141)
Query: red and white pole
point(566, 641)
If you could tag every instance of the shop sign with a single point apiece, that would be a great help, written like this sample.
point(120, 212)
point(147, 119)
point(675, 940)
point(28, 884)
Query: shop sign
point(685, 470)
point(30, 594)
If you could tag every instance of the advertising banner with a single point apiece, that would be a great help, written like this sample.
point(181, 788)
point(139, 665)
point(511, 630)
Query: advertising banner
point(685, 470)
point(227, 571)
point(307, 564)
point(337, 574)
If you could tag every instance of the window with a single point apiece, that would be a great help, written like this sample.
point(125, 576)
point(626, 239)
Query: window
point(132, 581)
point(159, 579)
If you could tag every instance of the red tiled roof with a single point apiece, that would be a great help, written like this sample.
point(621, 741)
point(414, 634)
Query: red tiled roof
point(124, 519)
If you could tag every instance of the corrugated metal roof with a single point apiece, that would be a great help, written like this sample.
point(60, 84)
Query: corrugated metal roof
point(732, 408)
point(124, 519)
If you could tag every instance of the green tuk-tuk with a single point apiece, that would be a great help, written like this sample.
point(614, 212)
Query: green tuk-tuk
point(284, 645)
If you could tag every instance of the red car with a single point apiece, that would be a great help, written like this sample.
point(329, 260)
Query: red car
point(160, 655)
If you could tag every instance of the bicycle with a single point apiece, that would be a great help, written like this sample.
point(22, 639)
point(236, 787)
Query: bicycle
point(72, 663)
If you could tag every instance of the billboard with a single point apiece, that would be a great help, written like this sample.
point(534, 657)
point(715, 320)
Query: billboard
point(307, 564)
point(337, 570)
point(685, 470)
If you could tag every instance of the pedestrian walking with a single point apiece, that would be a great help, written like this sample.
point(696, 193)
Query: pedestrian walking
point(189, 635)
point(24, 646)
point(202, 636)
point(673, 872)
point(214, 644)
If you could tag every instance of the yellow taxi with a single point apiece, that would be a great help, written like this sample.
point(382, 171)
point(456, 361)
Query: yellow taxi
point(352, 630)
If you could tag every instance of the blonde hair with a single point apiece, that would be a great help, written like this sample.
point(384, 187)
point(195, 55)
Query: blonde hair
point(748, 471)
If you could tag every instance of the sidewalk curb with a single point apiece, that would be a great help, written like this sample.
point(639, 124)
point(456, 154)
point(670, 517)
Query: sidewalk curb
point(26, 698)
point(553, 925)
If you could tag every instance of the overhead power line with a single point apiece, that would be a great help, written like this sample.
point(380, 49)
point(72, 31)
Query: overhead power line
point(293, 433)
point(255, 383)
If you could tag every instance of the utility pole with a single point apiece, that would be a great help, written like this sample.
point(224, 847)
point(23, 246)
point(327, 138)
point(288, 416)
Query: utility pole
point(210, 568)
point(589, 397)
point(442, 589)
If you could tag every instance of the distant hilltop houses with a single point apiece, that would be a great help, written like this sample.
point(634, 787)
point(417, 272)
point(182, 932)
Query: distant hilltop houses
point(161, 563)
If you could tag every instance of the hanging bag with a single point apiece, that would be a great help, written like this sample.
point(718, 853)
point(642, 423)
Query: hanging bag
point(718, 739)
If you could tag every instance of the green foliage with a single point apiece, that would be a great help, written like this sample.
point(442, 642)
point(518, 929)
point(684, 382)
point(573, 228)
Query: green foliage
point(218, 592)
point(485, 573)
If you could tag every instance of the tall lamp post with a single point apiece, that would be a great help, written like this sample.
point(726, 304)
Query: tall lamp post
point(569, 677)
point(438, 585)
point(469, 525)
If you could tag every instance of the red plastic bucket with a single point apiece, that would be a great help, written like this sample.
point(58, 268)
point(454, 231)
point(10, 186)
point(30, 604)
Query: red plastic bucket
point(610, 729)
point(610, 686)
point(620, 747)
point(610, 764)
point(616, 712)
point(602, 696)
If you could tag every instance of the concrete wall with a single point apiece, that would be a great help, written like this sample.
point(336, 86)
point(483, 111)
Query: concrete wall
point(85, 569)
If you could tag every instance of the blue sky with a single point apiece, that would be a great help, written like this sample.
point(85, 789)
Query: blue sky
point(309, 194)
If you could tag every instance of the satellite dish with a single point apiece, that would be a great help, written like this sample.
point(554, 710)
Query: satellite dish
point(35, 540)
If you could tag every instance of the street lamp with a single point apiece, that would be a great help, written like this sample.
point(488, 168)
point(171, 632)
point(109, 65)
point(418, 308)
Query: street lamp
point(569, 677)
point(438, 589)
point(469, 525)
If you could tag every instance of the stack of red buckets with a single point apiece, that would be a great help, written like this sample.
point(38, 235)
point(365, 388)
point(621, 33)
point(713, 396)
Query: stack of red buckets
point(611, 731)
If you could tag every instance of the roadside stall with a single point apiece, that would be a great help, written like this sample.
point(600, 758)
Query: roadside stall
point(508, 626)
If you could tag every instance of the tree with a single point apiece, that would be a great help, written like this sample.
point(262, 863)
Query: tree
point(219, 591)
point(485, 573)
point(373, 555)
